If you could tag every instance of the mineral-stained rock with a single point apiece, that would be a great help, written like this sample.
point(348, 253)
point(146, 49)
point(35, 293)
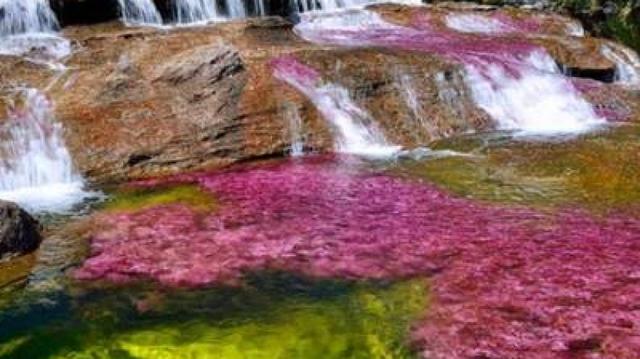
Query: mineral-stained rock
point(19, 232)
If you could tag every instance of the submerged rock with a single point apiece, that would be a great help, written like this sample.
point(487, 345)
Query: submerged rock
point(19, 232)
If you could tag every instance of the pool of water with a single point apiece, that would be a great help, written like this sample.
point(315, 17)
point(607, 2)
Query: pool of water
point(508, 246)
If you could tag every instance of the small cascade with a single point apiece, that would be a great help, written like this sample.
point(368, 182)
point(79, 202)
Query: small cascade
point(139, 12)
point(627, 63)
point(515, 82)
point(236, 9)
point(36, 170)
point(188, 12)
point(28, 28)
point(406, 87)
point(259, 7)
point(26, 16)
point(356, 131)
point(294, 131)
point(539, 100)
point(319, 5)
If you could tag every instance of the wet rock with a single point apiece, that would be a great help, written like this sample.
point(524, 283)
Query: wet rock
point(140, 102)
point(19, 232)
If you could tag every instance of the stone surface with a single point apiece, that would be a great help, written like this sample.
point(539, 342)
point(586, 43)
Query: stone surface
point(140, 102)
point(19, 232)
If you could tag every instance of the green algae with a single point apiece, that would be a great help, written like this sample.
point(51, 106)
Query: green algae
point(283, 317)
point(135, 199)
point(600, 171)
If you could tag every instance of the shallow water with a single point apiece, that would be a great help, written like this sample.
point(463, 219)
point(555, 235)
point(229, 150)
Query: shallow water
point(340, 257)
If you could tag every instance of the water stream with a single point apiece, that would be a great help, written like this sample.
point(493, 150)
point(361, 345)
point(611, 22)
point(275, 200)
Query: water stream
point(492, 244)
point(518, 84)
point(36, 169)
point(140, 12)
point(356, 132)
point(28, 28)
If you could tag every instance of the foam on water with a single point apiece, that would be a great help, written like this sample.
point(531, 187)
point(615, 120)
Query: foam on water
point(36, 169)
point(356, 132)
point(139, 12)
point(28, 29)
point(539, 100)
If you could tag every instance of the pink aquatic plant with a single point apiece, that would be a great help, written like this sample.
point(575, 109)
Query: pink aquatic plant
point(508, 282)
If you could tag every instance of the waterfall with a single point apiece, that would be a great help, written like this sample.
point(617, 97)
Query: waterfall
point(259, 7)
point(139, 12)
point(194, 11)
point(518, 84)
point(27, 28)
point(36, 169)
point(356, 132)
point(26, 16)
point(627, 63)
point(317, 5)
point(294, 131)
point(538, 100)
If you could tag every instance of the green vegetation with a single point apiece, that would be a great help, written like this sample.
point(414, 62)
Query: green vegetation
point(133, 199)
point(616, 19)
point(276, 316)
point(600, 170)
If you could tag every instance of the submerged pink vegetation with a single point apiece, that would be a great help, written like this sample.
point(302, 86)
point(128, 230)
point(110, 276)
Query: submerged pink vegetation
point(508, 282)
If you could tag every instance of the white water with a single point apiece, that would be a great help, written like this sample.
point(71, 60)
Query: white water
point(194, 11)
point(36, 170)
point(139, 12)
point(473, 23)
point(294, 129)
point(627, 63)
point(575, 28)
point(537, 101)
point(26, 16)
point(318, 5)
point(28, 28)
point(356, 132)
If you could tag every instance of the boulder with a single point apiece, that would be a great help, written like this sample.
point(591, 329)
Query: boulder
point(19, 232)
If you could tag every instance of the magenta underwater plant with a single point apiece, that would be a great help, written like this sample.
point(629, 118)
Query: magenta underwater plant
point(508, 281)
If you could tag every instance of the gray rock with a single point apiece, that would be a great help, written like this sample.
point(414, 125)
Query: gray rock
point(19, 232)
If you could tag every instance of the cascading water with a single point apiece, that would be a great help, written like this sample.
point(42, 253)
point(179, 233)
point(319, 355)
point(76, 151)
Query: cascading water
point(194, 11)
point(27, 28)
point(294, 130)
point(317, 5)
point(536, 101)
point(139, 12)
point(26, 16)
point(356, 132)
point(517, 83)
point(627, 63)
point(36, 170)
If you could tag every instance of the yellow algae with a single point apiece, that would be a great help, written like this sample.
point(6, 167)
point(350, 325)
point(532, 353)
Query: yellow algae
point(367, 321)
point(139, 199)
